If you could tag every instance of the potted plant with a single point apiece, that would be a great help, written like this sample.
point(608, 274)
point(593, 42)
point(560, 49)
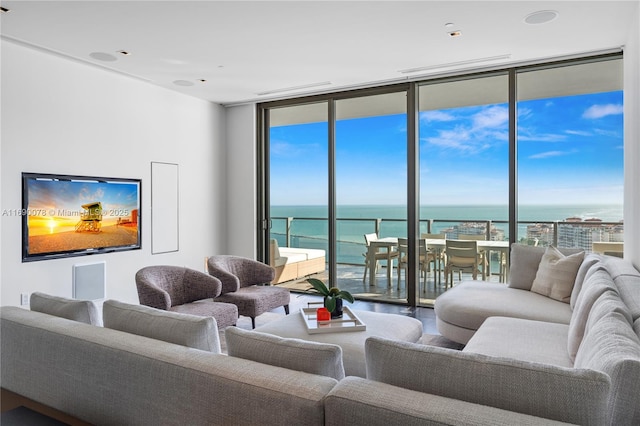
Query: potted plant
point(333, 296)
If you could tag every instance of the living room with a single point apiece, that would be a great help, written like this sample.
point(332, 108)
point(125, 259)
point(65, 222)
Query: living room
point(62, 115)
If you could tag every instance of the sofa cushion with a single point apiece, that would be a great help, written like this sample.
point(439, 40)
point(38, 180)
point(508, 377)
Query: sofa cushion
point(521, 339)
point(565, 394)
point(295, 354)
point(77, 310)
point(182, 329)
point(597, 282)
point(524, 264)
point(469, 303)
point(556, 274)
point(611, 346)
point(589, 261)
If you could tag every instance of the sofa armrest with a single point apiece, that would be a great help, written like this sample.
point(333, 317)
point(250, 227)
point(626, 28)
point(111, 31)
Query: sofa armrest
point(359, 401)
point(566, 394)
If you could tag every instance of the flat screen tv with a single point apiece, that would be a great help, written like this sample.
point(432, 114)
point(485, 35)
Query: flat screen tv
point(65, 215)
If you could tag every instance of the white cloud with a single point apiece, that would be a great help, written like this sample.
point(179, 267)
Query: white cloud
point(547, 154)
point(547, 137)
point(494, 116)
point(436, 116)
point(578, 132)
point(599, 111)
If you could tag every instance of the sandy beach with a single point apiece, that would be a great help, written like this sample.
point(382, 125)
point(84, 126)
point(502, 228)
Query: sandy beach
point(108, 237)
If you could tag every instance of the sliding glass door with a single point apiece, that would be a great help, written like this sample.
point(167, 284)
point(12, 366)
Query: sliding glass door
point(298, 194)
point(371, 192)
point(531, 155)
point(464, 169)
point(570, 156)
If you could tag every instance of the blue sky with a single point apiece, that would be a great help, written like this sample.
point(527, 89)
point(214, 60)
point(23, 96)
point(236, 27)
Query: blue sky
point(569, 152)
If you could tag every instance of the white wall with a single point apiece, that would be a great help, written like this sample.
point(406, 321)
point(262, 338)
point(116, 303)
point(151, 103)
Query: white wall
point(241, 181)
point(62, 116)
point(632, 143)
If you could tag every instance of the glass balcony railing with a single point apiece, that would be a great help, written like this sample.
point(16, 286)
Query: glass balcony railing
point(311, 232)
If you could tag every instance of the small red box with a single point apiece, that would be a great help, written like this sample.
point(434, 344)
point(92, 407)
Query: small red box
point(323, 314)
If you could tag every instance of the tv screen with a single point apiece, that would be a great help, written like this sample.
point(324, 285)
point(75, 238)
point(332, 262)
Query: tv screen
point(66, 215)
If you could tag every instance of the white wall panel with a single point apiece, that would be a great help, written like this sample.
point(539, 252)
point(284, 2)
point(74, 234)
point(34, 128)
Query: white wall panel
point(60, 116)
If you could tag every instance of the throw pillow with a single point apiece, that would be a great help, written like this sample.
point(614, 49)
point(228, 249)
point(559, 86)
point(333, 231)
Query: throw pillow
point(557, 274)
point(173, 327)
point(76, 310)
point(595, 284)
point(588, 264)
point(525, 261)
point(524, 265)
point(295, 354)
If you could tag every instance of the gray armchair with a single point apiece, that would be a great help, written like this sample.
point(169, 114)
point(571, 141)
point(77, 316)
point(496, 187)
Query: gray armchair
point(178, 289)
point(242, 281)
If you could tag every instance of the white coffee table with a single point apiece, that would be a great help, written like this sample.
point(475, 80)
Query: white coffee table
point(391, 326)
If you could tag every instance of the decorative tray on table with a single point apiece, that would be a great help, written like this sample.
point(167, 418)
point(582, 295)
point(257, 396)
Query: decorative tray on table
point(348, 322)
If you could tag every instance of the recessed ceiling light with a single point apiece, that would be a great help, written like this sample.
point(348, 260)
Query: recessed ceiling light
point(202, 80)
point(4, 9)
point(124, 52)
point(448, 25)
point(183, 83)
point(456, 33)
point(102, 56)
point(541, 17)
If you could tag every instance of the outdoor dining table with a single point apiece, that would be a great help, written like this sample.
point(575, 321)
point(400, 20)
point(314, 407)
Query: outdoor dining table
point(436, 244)
point(387, 243)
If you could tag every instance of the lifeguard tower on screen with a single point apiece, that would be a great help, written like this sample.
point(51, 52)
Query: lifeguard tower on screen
point(91, 218)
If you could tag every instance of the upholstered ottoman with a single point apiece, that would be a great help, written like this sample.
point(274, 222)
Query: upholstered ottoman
point(391, 326)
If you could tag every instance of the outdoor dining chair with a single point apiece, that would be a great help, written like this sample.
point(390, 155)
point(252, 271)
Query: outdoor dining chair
point(426, 258)
point(462, 256)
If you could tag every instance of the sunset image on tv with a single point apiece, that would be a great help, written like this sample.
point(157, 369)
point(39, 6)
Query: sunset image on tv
point(73, 215)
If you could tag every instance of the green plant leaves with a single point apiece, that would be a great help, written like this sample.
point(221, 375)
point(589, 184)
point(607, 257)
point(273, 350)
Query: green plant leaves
point(330, 295)
point(318, 286)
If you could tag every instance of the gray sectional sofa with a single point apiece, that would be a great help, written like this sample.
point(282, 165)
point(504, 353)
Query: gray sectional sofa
point(174, 374)
point(596, 329)
point(84, 373)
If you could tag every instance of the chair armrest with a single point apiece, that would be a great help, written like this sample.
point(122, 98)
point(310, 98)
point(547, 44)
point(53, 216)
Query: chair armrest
point(199, 285)
point(254, 272)
point(236, 272)
point(151, 295)
point(218, 268)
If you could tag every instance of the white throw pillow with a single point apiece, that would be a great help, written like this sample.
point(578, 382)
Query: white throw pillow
point(173, 327)
point(557, 274)
point(295, 354)
point(77, 310)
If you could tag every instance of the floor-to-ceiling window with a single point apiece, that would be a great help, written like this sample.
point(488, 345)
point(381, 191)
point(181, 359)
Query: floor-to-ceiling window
point(298, 176)
point(371, 188)
point(570, 155)
point(530, 155)
point(464, 167)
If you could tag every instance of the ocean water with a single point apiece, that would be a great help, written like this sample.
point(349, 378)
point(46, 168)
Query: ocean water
point(309, 227)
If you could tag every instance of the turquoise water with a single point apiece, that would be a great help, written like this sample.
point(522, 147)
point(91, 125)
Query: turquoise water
point(310, 229)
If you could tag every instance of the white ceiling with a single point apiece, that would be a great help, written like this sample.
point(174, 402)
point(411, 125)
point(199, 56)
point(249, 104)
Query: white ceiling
point(245, 48)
